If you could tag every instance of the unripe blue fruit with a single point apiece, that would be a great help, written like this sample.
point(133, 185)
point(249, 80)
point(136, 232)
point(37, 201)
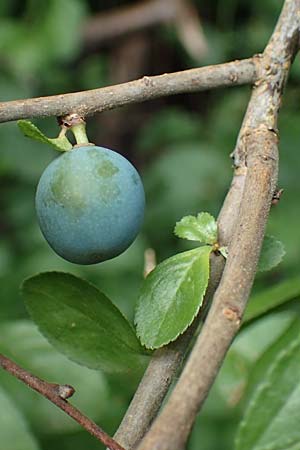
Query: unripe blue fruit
point(90, 204)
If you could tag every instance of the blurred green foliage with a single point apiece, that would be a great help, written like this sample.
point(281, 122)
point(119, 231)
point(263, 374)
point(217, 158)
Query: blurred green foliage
point(181, 147)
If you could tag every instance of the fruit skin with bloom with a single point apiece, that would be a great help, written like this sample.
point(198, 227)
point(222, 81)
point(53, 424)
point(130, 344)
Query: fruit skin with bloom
point(90, 204)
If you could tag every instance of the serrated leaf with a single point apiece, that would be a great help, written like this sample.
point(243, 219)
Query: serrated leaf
point(202, 228)
point(171, 297)
point(81, 322)
point(271, 255)
point(30, 130)
point(272, 298)
point(272, 418)
point(21, 341)
point(14, 431)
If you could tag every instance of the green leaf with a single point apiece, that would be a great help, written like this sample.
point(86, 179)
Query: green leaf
point(271, 298)
point(202, 228)
point(245, 353)
point(81, 322)
point(271, 255)
point(14, 432)
point(21, 341)
point(171, 297)
point(30, 130)
point(273, 415)
point(290, 332)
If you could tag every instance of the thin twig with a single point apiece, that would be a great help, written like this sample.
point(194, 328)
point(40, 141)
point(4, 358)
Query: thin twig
point(58, 394)
point(189, 30)
point(147, 88)
point(256, 156)
point(125, 19)
point(111, 24)
point(152, 390)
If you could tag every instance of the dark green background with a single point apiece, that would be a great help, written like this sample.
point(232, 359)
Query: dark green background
point(181, 147)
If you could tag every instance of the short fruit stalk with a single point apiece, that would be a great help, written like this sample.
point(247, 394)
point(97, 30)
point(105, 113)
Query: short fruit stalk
point(89, 201)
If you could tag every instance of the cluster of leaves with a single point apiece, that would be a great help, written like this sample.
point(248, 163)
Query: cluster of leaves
point(83, 324)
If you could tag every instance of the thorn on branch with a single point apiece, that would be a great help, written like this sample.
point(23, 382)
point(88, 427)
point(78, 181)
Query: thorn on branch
point(277, 196)
point(149, 261)
point(64, 391)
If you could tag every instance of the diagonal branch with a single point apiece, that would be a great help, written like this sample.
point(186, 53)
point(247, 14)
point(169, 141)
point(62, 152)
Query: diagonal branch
point(256, 69)
point(257, 156)
point(58, 395)
point(114, 23)
point(173, 426)
point(147, 88)
point(166, 361)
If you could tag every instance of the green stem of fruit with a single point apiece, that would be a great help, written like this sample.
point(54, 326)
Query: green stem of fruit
point(79, 132)
point(62, 141)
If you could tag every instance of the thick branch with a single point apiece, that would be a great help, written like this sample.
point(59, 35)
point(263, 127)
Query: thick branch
point(166, 361)
point(258, 159)
point(147, 88)
point(172, 428)
point(58, 394)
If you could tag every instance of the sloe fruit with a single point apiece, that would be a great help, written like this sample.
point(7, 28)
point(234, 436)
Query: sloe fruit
point(90, 204)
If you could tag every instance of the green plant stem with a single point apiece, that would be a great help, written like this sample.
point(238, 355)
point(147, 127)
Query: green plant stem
point(79, 132)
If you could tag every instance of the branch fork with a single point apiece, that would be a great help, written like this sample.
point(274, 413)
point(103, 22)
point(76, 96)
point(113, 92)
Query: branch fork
point(241, 222)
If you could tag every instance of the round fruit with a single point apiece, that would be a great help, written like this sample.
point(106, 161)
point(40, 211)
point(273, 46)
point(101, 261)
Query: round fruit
point(90, 204)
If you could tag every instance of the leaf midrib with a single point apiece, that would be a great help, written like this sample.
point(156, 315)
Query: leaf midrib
point(92, 320)
point(189, 268)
